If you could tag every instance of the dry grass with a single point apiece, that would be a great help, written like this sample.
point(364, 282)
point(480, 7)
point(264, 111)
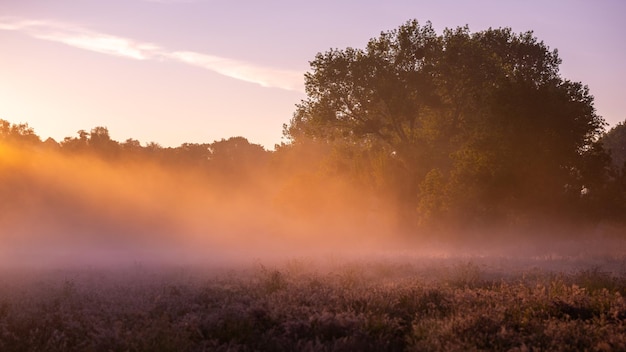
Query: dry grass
point(324, 305)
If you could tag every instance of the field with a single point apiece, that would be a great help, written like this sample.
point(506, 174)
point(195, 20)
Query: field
point(326, 303)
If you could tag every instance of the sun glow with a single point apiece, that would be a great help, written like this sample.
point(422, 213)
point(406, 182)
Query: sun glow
point(78, 203)
point(12, 159)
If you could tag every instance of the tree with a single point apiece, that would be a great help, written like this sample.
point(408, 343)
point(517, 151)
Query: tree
point(484, 116)
point(193, 154)
point(76, 144)
point(97, 141)
point(131, 145)
point(236, 158)
point(19, 133)
point(615, 142)
point(100, 141)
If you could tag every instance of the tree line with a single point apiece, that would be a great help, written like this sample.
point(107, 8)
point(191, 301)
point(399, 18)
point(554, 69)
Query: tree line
point(447, 131)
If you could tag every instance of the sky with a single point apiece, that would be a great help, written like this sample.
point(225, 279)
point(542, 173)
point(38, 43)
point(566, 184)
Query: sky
point(196, 71)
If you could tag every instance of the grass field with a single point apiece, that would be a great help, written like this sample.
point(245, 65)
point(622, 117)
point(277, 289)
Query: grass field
point(322, 304)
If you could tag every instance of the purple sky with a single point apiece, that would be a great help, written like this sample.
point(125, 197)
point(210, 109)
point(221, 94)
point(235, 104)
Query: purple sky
point(174, 71)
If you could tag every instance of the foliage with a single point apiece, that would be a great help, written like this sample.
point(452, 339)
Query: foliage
point(485, 115)
point(228, 155)
point(20, 133)
point(611, 198)
point(615, 142)
point(389, 306)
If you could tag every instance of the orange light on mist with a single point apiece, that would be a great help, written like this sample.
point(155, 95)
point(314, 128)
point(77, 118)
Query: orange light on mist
point(80, 202)
point(9, 156)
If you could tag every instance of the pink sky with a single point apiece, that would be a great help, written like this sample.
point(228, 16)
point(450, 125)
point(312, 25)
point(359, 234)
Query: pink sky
point(175, 71)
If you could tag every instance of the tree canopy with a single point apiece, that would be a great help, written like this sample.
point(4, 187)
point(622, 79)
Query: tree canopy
point(466, 126)
point(615, 142)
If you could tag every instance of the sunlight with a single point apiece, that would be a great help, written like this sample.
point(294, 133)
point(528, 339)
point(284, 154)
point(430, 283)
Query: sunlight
point(9, 156)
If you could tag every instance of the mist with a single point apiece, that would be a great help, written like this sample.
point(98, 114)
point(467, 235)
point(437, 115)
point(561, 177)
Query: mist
point(75, 209)
point(114, 249)
point(64, 209)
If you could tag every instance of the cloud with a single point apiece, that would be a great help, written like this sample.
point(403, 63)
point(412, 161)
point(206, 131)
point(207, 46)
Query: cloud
point(83, 38)
point(266, 77)
point(105, 44)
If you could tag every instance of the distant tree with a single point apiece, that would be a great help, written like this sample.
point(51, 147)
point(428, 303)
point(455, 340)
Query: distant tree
point(131, 145)
point(50, 143)
point(235, 148)
point(76, 144)
point(154, 150)
point(193, 154)
point(237, 158)
point(470, 126)
point(614, 200)
point(614, 141)
point(154, 146)
point(19, 133)
point(97, 141)
point(5, 128)
point(100, 142)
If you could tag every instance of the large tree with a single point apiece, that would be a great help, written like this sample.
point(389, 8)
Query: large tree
point(468, 126)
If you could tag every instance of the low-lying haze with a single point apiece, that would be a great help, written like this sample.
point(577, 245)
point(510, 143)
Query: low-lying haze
point(66, 209)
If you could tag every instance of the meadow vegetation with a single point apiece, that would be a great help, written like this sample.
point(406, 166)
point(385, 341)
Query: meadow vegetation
point(326, 304)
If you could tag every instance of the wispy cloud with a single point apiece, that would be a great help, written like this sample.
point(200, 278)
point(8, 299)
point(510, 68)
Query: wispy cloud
point(266, 77)
point(83, 38)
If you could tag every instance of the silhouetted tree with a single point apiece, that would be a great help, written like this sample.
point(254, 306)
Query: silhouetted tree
point(18, 133)
point(131, 145)
point(100, 142)
point(614, 200)
point(614, 142)
point(470, 126)
point(237, 158)
point(193, 154)
point(50, 143)
point(76, 144)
